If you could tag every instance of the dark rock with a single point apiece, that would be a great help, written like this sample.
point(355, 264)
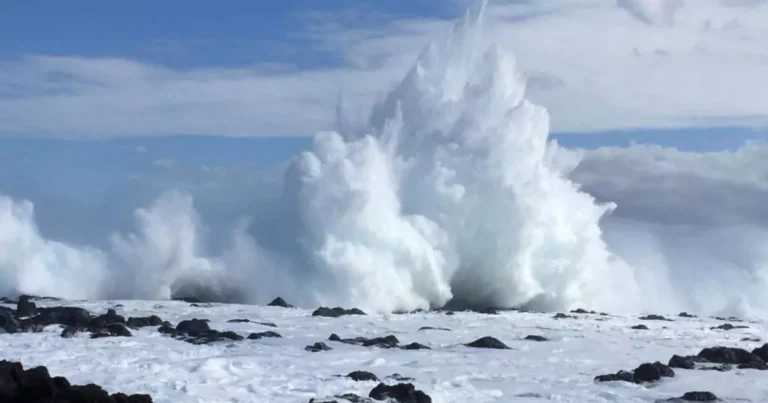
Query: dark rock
point(61, 315)
point(761, 352)
point(687, 315)
point(536, 338)
point(117, 329)
point(25, 306)
point(202, 305)
point(651, 372)
point(728, 326)
point(382, 342)
point(140, 322)
point(8, 322)
point(401, 393)
point(239, 321)
point(434, 328)
point(699, 397)
point(416, 346)
point(167, 328)
point(399, 378)
point(563, 316)
point(623, 376)
point(336, 312)
point(69, 332)
point(280, 302)
point(109, 318)
point(36, 385)
point(753, 339)
point(193, 327)
point(677, 361)
point(583, 311)
point(654, 317)
point(735, 356)
point(488, 342)
point(360, 376)
point(261, 335)
point(230, 335)
point(640, 327)
point(317, 347)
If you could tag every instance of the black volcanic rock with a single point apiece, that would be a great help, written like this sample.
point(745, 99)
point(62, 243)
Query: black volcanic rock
point(688, 362)
point(655, 317)
point(651, 372)
point(389, 341)
point(734, 356)
point(261, 335)
point(361, 376)
point(536, 338)
point(622, 376)
point(147, 321)
point(401, 393)
point(317, 347)
point(686, 315)
point(728, 326)
point(488, 342)
point(25, 306)
point(280, 302)
point(563, 316)
point(640, 327)
point(434, 328)
point(416, 346)
point(699, 397)
point(36, 385)
point(61, 315)
point(336, 312)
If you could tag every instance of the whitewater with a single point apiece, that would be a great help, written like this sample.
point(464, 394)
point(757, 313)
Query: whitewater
point(449, 193)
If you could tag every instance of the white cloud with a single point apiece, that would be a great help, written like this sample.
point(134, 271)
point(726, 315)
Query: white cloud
point(594, 66)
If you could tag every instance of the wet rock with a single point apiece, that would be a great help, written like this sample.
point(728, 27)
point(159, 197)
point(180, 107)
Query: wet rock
point(401, 393)
point(336, 312)
point(102, 321)
point(383, 342)
point(434, 328)
point(317, 347)
point(640, 327)
point(761, 352)
point(193, 327)
point(655, 317)
point(728, 326)
point(621, 376)
point(699, 397)
point(25, 306)
point(416, 346)
point(651, 372)
point(69, 332)
point(753, 339)
point(147, 321)
point(362, 376)
point(261, 335)
point(687, 315)
point(688, 362)
point(563, 316)
point(8, 322)
point(488, 342)
point(280, 302)
point(583, 311)
point(734, 356)
point(536, 338)
point(61, 315)
point(36, 385)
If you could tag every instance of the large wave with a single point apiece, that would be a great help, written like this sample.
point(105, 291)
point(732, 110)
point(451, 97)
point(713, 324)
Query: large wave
point(450, 193)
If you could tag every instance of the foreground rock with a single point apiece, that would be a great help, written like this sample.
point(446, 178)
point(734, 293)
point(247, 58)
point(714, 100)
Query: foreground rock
point(645, 373)
point(389, 341)
point(488, 342)
point(280, 302)
point(36, 385)
point(399, 393)
point(336, 312)
point(197, 331)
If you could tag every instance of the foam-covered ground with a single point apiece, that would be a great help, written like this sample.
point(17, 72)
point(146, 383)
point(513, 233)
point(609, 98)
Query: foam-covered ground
point(280, 370)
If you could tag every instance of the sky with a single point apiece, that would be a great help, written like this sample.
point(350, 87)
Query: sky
point(98, 70)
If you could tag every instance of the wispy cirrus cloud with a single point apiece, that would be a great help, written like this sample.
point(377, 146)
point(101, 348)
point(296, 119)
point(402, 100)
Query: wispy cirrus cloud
point(595, 64)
